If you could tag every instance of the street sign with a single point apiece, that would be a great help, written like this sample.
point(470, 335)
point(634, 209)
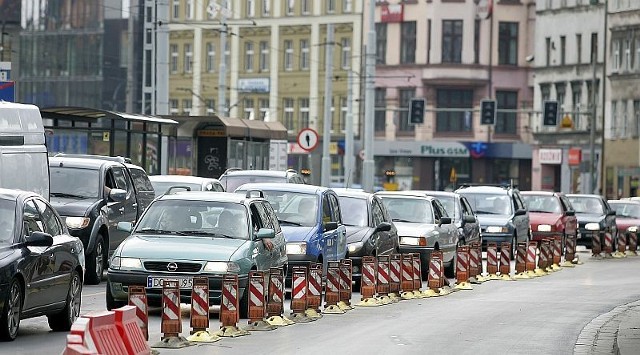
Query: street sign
point(7, 91)
point(308, 139)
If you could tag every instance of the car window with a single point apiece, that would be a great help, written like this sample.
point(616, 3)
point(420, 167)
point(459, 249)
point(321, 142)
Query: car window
point(258, 219)
point(336, 215)
point(121, 180)
point(326, 210)
point(293, 208)
point(67, 181)
point(354, 211)
point(377, 213)
point(626, 210)
point(543, 203)
point(31, 218)
point(383, 209)
point(488, 203)
point(411, 210)
point(443, 212)
point(587, 204)
point(51, 222)
point(449, 204)
point(7, 220)
point(231, 183)
point(566, 204)
point(466, 208)
point(271, 214)
point(141, 180)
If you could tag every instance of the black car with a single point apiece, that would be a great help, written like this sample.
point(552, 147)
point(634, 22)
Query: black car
point(370, 231)
point(232, 178)
point(594, 215)
point(41, 265)
point(459, 209)
point(93, 194)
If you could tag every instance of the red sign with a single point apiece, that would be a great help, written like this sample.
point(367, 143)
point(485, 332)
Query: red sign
point(575, 156)
point(392, 13)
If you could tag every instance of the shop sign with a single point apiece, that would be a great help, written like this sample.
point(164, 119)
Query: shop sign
point(550, 156)
point(258, 85)
point(575, 156)
point(390, 13)
point(420, 149)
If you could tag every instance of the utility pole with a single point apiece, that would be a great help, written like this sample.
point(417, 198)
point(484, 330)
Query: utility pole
point(328, 94)
point(222, 72)
point(368, 165)
point(603, 170)
point(348, 140)
point(130, 58)
point(592, 127)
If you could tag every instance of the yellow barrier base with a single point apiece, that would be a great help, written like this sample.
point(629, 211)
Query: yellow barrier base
point(417, 294)
point(368, 302)
point(631, 253)
point(619, 255)
point(203, 336)
point(384, 300)
point(532, 274)
point(556, 267)
point(279, 321)
point(540, 272)
point(312, 313)
point(444, 290)
point(430, 293)
point(522, 276)
point(408, 295)
point(231, 332)
point(261, 325)
point(506, 277)
point(464, 286)
point(567, 264)
point(481, 279)
point(333, 309)
point(344, 306)
point(494, 277)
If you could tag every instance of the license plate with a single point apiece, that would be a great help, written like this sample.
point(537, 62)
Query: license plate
point(157, 281)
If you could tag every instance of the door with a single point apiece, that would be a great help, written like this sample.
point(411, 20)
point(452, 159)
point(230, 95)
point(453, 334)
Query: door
point(471, 231)
point(125, 211)
point(144, 192)
point(279, 251)
point(329, 238)
point(521, 222)
point(341, 231)
point(382, 240)
point(262, 255)
point(448, 235)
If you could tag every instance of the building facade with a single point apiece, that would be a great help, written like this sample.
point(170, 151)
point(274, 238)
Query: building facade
point(274, 56)
point(454, 54)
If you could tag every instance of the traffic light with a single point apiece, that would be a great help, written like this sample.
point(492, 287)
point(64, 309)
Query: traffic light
point(488, 112)
point(416, 111)
point(550, 115)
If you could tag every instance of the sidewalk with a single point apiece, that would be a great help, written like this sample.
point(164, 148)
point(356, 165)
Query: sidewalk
point(615, 332)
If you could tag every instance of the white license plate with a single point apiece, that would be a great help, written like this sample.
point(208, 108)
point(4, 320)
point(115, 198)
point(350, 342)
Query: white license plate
point(157, 281)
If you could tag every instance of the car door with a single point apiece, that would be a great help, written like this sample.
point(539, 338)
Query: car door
point(329, 237)
point(382, 240)
point(471, 230)
point(259, 219)
point(393, 233)
point(341, 231)
point(61, 260)
point(125, 211)
point(448, 235)
point(40, 271)
point(610, 219)
point(144, 192)
point(279, 251)
point(570, 222)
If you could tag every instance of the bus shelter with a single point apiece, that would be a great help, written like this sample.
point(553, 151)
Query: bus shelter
point(79, 130)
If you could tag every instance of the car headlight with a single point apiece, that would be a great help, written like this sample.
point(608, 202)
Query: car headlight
point(118, 263)
point(77, 222)
point(592, 226)
point(544, 228)
point(297, 248)
point(354, 247)
point(221, 267)
point(497, 229)
point(417, 241)
point(632, 229)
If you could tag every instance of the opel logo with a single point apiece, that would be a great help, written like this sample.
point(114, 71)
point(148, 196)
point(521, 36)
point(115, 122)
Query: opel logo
point(172, 266)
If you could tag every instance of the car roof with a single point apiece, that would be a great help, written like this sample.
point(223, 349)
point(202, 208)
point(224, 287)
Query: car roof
point(81, 162)
point(584, 195)
point(14, 194)
point(626, 201)
point(541, 193)
point(275, 186)
point(208, 196)
point(257, 172)
point(484, 189)
point(438, 193)
point(404, 194)
point(180, 178)
point(344, 192)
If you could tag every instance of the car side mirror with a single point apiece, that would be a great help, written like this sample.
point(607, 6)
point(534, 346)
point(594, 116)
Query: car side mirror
point(265, 233)
point(445, 220)
point(383, 227)
point(117, 195)
point(570, 213)
point(469, 219)
point(329, 226)
point(125, 226)
point(39, 239)
point(521, 212)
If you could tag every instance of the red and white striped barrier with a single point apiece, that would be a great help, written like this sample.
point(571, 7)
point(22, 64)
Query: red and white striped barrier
point(435, 278)
point(138, 299)
point(521, 264)
point(505, 262)
point(492, 261)
point(622, 246)
point(608, 245)
point(569, 251)
point(383, 275)
point(200, 305)
point(171, 323)
point(633, 243)
point(332, 289)
point(417, 274)
point(299, 283)
point(346, 278)
point(368, 282)
point(596, 245)
point(275, 299)
point(474, 260)
point(229, 308)
point(462, 268)
point(530, 262)
point(314, 292)
point(257, 303)
point(556, 255)
point(104, 334)
point(407, 274)
point(395, 266)
point(127, 326)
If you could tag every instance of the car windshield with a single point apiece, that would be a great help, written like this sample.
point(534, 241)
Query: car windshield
point(293, 208)
point(231, 182)
point(489, 203)
point(7, 220)
point(626, 210)
point(354, 211)
point(586, 204)
point(74, 182)
point(162, 187)
point(195, 218)
point(542, 203)
point(411, 210)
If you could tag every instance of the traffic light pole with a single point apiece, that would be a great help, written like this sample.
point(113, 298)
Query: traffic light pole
point(592, 128)
point(370, 71)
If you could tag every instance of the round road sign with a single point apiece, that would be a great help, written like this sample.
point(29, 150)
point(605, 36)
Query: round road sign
point(308, 139)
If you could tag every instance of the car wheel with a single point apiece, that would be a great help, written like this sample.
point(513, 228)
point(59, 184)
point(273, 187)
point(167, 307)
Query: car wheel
point(111, 302)
point(95, 262)
point(10, 320)
point(63, 320)
point(244, 303)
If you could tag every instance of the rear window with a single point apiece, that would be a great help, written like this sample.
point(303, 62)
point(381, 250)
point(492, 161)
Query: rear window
point(231, 183)
point(75, 182)
point(499, 204)
point(586, 204)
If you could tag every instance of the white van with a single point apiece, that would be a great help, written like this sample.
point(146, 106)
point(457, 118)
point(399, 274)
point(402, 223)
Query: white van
point(24, 162)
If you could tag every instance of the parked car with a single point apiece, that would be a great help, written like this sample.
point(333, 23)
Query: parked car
point(423, 226)
point(189, 234)
point(41, 265)
point(311, 220)
point(163, 183)
point(551, 215)
point(93, 194)
point(594, 215)
point(461, 213)
point(627, 214)
point(232, 178)
point(370, 230)
point(502, 214)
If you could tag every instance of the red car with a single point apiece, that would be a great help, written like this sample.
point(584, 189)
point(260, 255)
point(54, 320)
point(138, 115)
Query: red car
point(627, 214)
point(550, 215)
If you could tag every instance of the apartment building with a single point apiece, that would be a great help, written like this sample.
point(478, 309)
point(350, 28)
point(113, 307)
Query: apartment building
point(454, 54)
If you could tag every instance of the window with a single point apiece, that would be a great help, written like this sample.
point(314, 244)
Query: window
point(508, 43)
point(452, 41)
point(210, 105)
point(381, 43)
point(186, 106)
point(264, 109)
point(51, 222)
point(614, 119)
point(560, 95)
point(176, 9)
point(404, 98)
point(264, 56)
point(346, 53)
point(594, 47)
point(635, 123)
point(174, 58)
point(266, 8)
point(579, 48)
point(346, 6)
point(188, 10)
point(288, 55)
point(173, 106)
point(576, 99)
point(563, 50)
point(251, 8)
point(548, 50)
point(428, 41)
point(248, 56)
point(288, 114)
point(637, 59)
point(211, 57)
point(342, 122)
point(615, 64)
point(627, 54)
point(304, 113)
point(454, 121)
point(248, 109)
point(304, 54)
point(331, 6)
point(31, 219)
point(290, 4)
point(476, 41)
point(408, 43)
point(506, 122)
point(306, 7)
point(188, 58)
point(380, 109)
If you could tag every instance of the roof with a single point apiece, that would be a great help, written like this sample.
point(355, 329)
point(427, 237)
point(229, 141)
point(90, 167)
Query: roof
point(584, 195)
point(208, 196)
point(305, 189)
point(483, 189)
point(357, 193)
point(242, 172)
point(539, 193)
point(437, 193)
point(625, 202)
point(13, 194)
point(404, 194)
point(92, 114)
point(180, 178)
point(81, 162)
point(232, 127)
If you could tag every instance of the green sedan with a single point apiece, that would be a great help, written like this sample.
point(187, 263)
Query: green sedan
point(190, 234)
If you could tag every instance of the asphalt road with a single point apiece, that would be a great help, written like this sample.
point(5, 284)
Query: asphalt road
point(543, 315)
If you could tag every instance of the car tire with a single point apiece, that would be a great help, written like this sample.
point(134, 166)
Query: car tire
point(95, 262)
point(243, 304)
point(10, 319)
point(111, 302)
point(63, 320)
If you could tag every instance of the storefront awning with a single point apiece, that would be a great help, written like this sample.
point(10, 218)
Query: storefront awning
point(91, 115)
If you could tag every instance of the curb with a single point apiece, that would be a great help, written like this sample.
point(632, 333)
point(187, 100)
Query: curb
point(614, 332)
